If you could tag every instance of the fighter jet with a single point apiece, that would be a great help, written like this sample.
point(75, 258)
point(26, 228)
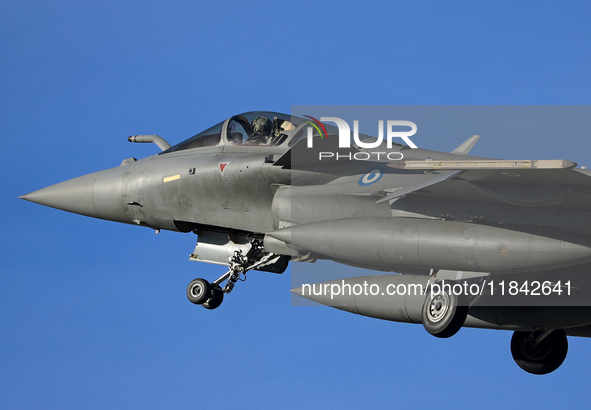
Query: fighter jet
point(455, 240)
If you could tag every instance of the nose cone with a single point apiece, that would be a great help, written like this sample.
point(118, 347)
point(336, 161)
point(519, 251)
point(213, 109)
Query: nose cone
point(75, 195)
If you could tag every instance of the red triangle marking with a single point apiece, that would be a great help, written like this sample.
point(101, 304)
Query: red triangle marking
point(222, 166)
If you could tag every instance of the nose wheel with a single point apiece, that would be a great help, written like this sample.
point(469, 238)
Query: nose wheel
point(201, 292)
point(216, 299)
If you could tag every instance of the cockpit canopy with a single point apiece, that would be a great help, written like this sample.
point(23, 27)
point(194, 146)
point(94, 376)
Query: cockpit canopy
point(257, 128)
point(208, 138)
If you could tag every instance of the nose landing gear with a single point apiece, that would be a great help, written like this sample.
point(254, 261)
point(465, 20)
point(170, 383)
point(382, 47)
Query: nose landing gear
point(211, 295)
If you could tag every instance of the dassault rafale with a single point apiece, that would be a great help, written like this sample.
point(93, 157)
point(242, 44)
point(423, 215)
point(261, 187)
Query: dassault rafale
point(456, 240)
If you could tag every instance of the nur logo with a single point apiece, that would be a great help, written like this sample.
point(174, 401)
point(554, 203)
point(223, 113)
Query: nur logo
point(345, 132)
point(311, 131)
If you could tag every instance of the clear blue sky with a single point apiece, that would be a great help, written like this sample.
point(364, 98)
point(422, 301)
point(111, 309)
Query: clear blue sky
point(93, 314)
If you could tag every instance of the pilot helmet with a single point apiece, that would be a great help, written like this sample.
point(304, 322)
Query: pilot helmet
point(261, 125)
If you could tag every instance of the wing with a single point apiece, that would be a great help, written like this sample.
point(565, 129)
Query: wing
point(556, 188)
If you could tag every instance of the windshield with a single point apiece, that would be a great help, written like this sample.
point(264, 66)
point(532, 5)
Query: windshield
point(259, 128)
point(208, 138)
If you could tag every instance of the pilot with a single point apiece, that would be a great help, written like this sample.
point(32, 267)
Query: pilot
point(261, 131)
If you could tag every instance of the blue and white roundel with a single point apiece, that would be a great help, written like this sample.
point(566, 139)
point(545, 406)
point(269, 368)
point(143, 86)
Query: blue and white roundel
point(371, 177)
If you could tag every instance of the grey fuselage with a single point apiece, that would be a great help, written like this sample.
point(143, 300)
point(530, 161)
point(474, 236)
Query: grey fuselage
point(483, 221)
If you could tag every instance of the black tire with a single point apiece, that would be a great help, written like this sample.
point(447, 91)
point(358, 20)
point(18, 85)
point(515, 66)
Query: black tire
point(198, 291)
point(216, 299)
point(544, 358)
point(443, 315)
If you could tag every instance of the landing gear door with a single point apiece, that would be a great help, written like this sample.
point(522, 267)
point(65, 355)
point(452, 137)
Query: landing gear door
point(218, 247)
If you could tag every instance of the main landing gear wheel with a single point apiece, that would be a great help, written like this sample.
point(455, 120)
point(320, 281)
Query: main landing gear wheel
point(443, 315)
point(539, 352)
point(199, 291)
